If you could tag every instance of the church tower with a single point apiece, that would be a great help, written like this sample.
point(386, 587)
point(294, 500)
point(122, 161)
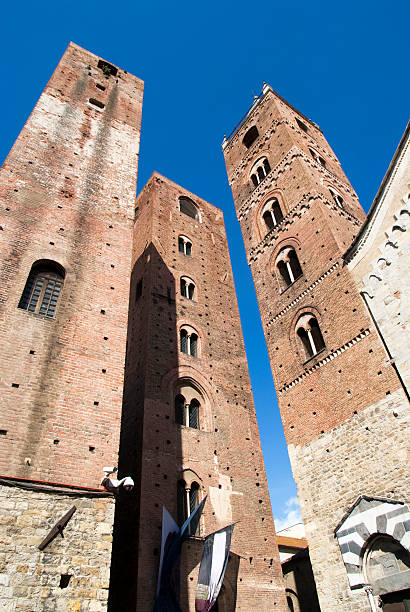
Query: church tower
point(189, 424)
point(337, 389)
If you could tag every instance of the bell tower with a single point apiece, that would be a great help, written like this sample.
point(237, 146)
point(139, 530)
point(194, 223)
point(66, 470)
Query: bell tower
point(298, 215)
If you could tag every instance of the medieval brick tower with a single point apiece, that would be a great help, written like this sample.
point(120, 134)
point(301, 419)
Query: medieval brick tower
point(339, 394)
point(189, 426)
point(67, 208)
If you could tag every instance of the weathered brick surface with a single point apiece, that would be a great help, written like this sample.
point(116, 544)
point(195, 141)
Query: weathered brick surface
point(225, 453)
point(343, 410)
point(67, 192)
point(30, 578)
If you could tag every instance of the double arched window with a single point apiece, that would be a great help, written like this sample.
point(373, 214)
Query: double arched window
point(272, 214)
point(187, 206)
point(188, 339)
point(42, 289)
point(187, 500)
point(250, 136)
point(337, 197)
point(288, 266)
point(259, 170)
point(308, 330)
point(317, 157)
point(187, 287)
point(187, 412)
point(184, 245)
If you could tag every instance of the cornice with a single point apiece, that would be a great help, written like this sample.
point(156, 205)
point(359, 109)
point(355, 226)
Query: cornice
point(296, 212)
point(279, 169)
point(302, 295)
point(332, 355)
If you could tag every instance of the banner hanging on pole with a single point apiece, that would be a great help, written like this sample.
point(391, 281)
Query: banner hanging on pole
point(212, 569)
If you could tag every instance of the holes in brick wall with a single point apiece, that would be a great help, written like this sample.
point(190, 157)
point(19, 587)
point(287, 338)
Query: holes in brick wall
point(98, 86)
point(52, 243)
point(388, 393)
point(56, 441)
point(3, 432)
point(103, 370)
point(251, 560)
point(31, 352)
point(15, 385)
point(91, 449)
point(96, 403)
point(64, 580)
point(96, 103)
point(102, 312)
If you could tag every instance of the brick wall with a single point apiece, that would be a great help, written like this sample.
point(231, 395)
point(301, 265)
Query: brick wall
point(67, 192)
point(224, 455)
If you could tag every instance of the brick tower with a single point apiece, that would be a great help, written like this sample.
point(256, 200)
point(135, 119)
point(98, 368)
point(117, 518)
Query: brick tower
point(336, 388)
point(189, 425)
point(67, 207)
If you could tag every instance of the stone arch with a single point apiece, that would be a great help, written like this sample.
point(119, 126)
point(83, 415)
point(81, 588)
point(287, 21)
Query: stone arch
point(258, 221)
point(368, 518)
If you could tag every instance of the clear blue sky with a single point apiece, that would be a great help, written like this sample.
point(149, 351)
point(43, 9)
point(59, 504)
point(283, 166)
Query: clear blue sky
point(344, 65)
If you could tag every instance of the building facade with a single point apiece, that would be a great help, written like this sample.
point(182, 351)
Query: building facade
point(343, 401)
point(93, 281)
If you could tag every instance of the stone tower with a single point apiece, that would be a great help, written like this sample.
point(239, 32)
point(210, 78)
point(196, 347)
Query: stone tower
point(67, 208)
point(337, 389)
point(189, 425)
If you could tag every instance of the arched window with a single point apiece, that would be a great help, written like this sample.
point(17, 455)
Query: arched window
point(184, 245)
point(187, 412)
point(250, 136)
point(187, 288)
point(386, 564)
point(288, 265)
point(188, 341)
point(317, 157)
point(187, 207)
point(310, 335)
point(337, 197)
point(187, 500)
point(259, 170)
point(272, 214)
point(42, 289)
point(180, 409)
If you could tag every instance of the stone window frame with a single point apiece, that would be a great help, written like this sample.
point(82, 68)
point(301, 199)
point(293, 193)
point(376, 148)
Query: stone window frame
point(192, 340)
point(259, 171)
point(43, 290)
point(258, 221)
point(318, 158)
point(292, 269)
point(188, 288)
point(296, 342)
point(194, 205)
point(289, 242)
point(186, 245)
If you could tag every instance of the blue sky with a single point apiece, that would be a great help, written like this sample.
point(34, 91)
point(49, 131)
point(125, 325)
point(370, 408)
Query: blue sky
point(344, 65)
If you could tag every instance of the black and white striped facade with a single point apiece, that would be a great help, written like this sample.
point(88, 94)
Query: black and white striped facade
point(367, 518)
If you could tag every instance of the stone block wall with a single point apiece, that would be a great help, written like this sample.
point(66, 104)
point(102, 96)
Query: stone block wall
point(72, 573)
point(366, 455)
